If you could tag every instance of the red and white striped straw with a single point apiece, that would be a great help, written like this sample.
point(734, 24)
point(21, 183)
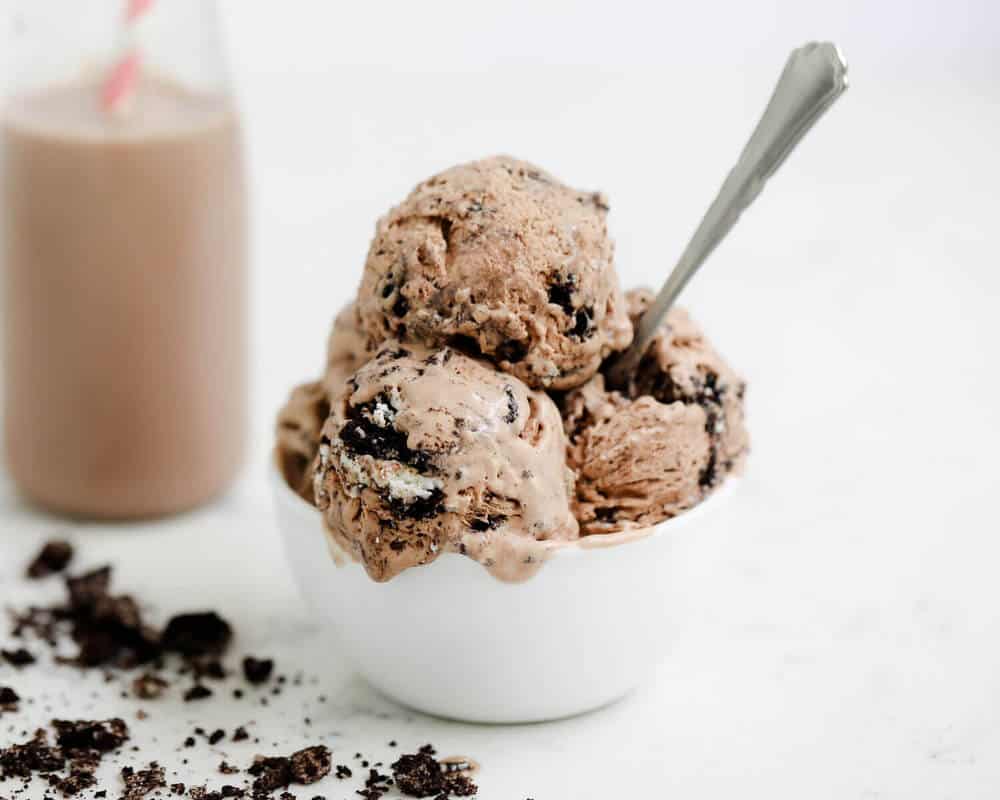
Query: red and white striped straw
point(122, 80)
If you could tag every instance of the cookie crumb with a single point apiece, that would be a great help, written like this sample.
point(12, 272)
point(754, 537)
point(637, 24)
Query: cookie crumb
point(197, 692)
point(54, 557)
point(18, 658)
point(257, 670)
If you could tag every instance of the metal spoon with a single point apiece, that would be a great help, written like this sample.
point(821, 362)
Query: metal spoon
point(814, 76)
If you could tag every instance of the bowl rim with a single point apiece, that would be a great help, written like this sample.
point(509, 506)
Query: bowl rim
point(592, 543)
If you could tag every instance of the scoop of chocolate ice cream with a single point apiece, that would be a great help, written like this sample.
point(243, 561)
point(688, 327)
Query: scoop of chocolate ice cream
point(301, 418)
point(659, 449)
point(501, 260)
point(681, 365)
point(299, 424)
point(346, 350)
point(434, 451)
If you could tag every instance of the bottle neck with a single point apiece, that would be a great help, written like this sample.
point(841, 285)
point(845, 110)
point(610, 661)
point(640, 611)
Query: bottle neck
point(52, 45)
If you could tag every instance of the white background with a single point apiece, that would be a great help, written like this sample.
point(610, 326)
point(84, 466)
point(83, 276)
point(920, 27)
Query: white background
point(850, 644)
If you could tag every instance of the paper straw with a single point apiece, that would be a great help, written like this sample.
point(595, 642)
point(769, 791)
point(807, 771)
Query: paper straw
point(120, 85)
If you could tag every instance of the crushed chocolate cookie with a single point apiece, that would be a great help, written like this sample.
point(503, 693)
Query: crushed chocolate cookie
point(512, 351)
point(18, 658)
point(311, 764)
point(86, 590)
point(240, 734)
point(512, 412)
point(421, 775)
point(103, 735)
point(216, 736)
point(35, 755)
point(228, 769)
point(418, 775)
point(197, 692)
point(421, 508)
point(199, 634)
point(257, 670)
point(376, 785)
point(52, 558)
point(343, 771)
point(108, 629)
point(139, 783)
point(583, 324)
point(561, 294)
point(271, 772)
point(361, 436)
point(9, 699)
point(76, 782)
point(491, 523)
point(149, 687)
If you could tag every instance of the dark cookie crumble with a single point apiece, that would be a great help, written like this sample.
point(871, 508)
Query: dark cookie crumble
point(583, 324)
point(203, 633)
point(512, 351)
point(9, 699)
point(311, 764)
point(54, 557)
point(18, 658)
point(361, 436)
point(257, 670)
point(69, 763)
point(421, 508)
point(708, 393)
point(102, 736)
point(512, 411)
point(561, 294)
point(489, 523)
point(422, 775)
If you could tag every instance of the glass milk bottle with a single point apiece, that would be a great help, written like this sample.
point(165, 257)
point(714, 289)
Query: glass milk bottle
point(123, 233)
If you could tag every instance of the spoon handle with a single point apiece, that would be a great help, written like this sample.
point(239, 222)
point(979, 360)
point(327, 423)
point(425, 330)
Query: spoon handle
point(814, 76)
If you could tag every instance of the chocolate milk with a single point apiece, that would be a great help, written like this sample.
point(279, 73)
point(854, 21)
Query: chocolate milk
point(124, 257)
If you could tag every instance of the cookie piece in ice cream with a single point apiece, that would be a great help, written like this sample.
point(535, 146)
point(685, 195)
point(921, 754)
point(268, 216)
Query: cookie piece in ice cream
point(433, 451)
point(501, 260)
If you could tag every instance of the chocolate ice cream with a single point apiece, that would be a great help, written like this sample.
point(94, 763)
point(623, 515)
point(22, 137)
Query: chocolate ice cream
point(431, 429)
point(299, 424)
point(346, 350)
point(302, 417)
point(660, 448)
point(434, 451)
point(498, 258)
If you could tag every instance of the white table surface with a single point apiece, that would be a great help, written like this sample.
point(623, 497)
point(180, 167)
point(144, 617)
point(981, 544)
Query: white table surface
point(848, 644)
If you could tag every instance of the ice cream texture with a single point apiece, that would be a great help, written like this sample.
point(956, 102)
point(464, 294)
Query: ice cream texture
point(433, 451)
point(659, 448)
point(305, 411)
point(500, 259)
point(462, 407)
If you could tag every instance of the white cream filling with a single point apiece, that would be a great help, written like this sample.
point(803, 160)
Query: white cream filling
point(402, 482)
point(384, 415)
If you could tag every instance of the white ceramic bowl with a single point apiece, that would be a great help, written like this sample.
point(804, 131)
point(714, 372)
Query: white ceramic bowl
point(451, 640)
